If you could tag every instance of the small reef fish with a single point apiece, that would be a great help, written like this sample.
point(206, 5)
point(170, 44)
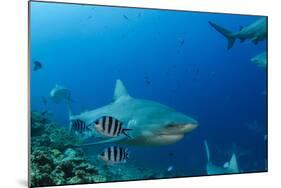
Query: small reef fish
point(59, 93)
point(37, 65)
point(115, 155)
point(170, 168)
point(126, 17)
point(78, 125)
point(254, 32)
point(110, 126)
point(260, 60)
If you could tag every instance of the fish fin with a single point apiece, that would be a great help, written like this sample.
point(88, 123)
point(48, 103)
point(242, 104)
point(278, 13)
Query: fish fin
point(120, 91)
point(233, 165)
point(107, 141)
point(207, 150)
point(127, 153)
point(125, 133)
point(226, 33)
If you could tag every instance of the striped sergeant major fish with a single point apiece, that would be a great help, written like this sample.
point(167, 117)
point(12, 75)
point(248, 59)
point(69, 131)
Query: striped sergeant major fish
point(110, 127)
point(79, 128)
point(115, 155)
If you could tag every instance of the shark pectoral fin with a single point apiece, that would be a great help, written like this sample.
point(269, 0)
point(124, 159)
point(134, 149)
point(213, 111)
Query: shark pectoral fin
point(233, 164)
point(111, 140)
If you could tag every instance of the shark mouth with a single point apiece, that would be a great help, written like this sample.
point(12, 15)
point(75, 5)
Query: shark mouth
point(178, 129)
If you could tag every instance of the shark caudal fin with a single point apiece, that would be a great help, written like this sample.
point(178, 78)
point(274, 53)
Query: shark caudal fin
point(207, 150)
point(226, 33)
point(120, 91)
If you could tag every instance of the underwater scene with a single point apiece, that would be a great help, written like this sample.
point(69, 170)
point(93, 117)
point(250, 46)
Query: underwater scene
point(120, 94)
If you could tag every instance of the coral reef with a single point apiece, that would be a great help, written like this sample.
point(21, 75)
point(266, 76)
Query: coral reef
point(53, 159)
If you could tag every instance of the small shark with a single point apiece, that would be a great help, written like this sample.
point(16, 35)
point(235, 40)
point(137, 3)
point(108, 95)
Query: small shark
point(228, 168)
point(60, 93)
point(151, 123)
point(254, 32)
point(260, 60)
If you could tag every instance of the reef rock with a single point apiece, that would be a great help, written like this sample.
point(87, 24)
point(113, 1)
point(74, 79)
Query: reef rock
point(53, 161)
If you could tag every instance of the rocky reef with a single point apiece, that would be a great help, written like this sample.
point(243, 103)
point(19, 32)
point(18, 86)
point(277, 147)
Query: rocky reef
point(53, 159)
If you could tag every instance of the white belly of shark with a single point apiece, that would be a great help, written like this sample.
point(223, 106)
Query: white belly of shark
point(152, 123)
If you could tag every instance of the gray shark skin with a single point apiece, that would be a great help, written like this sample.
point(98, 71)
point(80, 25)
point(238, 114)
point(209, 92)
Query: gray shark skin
point(260, 60)
point(152, 123)
point(254, 32)
point(230, 167)
point(60, 93)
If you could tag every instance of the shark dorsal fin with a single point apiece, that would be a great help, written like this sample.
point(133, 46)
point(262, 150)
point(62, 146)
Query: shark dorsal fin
point(120, 92)
point(233, 163)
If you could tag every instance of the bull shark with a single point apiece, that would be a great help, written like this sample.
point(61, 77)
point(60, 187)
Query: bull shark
point(254, 32)
point(228, 168)
point(151, 123)
point(260, 60)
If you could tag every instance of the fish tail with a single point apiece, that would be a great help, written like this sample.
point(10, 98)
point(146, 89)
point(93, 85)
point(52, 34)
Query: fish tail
point(125, 133)
point(226, 33)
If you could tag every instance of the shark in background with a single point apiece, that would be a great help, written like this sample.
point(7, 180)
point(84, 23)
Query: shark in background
point(254, 32)
point(229, 167)
point(260, 60)
point(150, 123)
point(60, 93)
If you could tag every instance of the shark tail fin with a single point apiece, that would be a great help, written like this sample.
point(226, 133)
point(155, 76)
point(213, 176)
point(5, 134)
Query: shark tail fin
point(207, 150)
point(233, 165)
point(226, 33)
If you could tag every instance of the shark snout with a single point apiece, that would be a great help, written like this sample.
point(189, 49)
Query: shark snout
point(189, 127)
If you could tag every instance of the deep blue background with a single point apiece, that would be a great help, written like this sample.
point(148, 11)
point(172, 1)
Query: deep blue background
point(86, 48)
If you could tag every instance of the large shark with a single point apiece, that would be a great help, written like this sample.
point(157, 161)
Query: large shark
point(152, 123)
point(254, 32)
point(260, 60)
point(228, 168)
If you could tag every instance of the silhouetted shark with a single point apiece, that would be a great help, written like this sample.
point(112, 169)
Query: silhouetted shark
point(255, 32)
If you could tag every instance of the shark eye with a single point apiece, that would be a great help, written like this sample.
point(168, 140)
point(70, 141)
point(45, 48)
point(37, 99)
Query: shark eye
point(170, 125)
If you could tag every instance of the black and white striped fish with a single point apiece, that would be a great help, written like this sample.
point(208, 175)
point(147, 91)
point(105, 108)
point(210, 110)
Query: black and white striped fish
point(78, 125)
point(110, 127)
point(115, 154)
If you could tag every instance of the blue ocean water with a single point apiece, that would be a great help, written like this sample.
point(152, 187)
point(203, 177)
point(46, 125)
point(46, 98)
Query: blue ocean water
point(171, 57)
